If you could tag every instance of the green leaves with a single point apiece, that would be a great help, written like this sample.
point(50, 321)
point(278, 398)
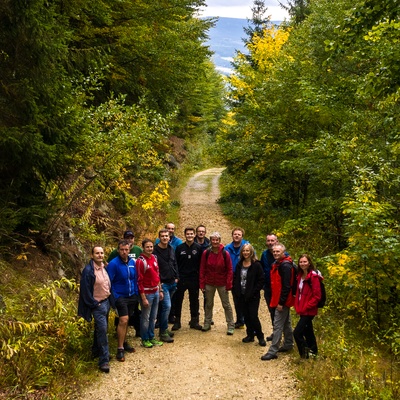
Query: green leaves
point(313, 143)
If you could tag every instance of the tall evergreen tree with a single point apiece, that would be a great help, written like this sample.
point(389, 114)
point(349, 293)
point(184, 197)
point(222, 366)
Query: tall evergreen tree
point(297, 9)
point(258, 22)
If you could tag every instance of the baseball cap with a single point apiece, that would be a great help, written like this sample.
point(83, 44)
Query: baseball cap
point(128, 233)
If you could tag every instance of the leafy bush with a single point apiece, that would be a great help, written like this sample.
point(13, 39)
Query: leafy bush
point(44, 345)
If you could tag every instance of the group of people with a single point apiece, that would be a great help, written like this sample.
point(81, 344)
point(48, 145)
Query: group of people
point(148, 285)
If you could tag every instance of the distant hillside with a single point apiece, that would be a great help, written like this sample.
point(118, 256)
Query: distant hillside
point(225, 39)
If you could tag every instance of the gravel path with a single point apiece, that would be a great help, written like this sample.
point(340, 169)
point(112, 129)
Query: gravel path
point(200, 365)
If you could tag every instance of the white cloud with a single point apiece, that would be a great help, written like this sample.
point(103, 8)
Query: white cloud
point(241, 9)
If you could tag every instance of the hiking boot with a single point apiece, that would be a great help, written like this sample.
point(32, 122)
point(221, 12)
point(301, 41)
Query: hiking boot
point(248, 339)
point(105, 368)
point(128, 348)
point(156, 342)
point(284, 349)
point(147, 344)
point(120, 355)
point(171, 334)
point(206, 328)
point(267, 357)
point(262, 342)
point(305, 353)
point(176, 326)
point(230, 331)
point(194, 324)
point(164, 337)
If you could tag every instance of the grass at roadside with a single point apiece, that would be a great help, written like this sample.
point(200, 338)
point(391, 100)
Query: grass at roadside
point(355, 361)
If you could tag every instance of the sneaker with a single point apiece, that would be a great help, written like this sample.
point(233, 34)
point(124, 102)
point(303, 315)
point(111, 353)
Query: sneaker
point(230, 331)
point(248, 339)
point(239, 325)
point(156, 342)
point(164, 337)
point(206, 328)
point(128, 348)
point(121, 355)
point(147, 344)
point(269, 338)
point(105, 368)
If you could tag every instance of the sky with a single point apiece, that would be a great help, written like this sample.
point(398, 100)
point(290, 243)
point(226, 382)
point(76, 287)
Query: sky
point(242, 9)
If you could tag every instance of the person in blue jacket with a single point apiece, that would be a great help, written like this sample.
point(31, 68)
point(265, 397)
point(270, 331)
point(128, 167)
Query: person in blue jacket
point(94, 301)
point(233, 249)
point(174, 241)
point(123, 277)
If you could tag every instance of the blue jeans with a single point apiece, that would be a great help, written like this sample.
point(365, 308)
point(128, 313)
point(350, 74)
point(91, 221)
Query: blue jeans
point(148, 316)
point(165, 305)
point(100, 338)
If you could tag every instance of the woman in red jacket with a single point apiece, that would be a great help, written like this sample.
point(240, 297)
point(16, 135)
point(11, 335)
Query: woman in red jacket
point(306, 305)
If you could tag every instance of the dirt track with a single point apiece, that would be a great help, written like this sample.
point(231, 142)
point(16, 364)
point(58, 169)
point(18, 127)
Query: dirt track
point(200, 365)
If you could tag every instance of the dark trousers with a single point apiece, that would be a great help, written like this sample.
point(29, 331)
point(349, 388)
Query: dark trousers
point(238, 302)
point(193, 289)
point(304, 335)
point(271, 310)
point(250, 312)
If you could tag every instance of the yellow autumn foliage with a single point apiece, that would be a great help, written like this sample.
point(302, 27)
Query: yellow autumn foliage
point(266, 49)
point(157, 198)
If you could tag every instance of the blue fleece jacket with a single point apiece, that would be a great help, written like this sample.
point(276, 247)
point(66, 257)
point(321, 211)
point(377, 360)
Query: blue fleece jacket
point(123, 277)
point(234, 252)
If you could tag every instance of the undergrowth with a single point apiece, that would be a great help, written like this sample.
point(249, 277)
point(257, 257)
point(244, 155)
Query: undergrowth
point(45, 347)
point(357, 359)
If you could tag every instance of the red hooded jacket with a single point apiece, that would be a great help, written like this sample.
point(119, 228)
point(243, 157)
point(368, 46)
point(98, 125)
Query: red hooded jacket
point(215, 269)
point(308, 294)
point(282, 275)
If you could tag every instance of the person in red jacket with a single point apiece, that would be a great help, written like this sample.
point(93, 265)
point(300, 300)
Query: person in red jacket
point(150, 292)
point(282, 278)
point(216, 274)
point(306, 305)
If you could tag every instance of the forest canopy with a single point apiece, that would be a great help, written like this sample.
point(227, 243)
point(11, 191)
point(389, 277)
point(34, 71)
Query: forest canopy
point(90, 93)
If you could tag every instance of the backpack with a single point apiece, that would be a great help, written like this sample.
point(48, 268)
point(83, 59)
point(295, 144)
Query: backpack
point(208, 251)
point(146, 267)
point(322, 300)
point(293, 281)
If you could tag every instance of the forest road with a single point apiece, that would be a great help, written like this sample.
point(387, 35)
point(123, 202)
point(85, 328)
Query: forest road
point(200, 365)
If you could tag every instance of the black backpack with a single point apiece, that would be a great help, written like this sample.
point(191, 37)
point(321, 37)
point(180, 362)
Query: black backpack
point(322, 300)
point(209, 251)
point(293, 282)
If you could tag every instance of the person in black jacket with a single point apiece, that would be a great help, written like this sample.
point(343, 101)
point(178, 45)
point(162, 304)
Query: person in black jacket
point(169, 279)
point(248, 281)
point(188, 257)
